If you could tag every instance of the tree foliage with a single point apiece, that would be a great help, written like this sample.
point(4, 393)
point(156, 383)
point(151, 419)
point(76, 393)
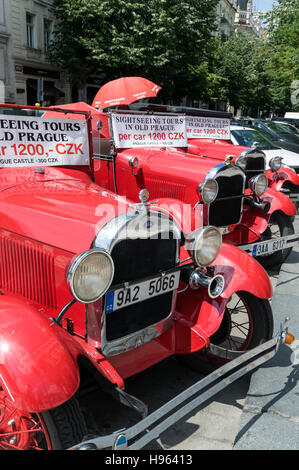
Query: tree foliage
point(158, 39)
point(283, 66)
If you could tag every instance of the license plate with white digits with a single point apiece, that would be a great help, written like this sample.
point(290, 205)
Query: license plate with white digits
point(270, 246)
point(137, 292)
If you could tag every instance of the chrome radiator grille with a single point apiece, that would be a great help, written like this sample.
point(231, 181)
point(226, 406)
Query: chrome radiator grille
point(27, 269)
point(227, 208)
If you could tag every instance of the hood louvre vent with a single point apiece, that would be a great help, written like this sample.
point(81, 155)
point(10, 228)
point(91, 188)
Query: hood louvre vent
point(27, 269)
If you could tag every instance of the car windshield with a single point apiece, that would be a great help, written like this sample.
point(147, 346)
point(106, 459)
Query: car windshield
point(279, 128)
point(287, 128)
point(247, 137)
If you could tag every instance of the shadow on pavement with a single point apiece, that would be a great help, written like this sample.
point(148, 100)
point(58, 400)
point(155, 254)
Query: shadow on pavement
point(282, 360)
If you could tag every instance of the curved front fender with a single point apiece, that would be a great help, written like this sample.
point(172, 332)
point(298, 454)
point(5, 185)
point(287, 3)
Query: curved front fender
point(279, 202)
point(201, 314)
point(36, 368)
point(279, 178)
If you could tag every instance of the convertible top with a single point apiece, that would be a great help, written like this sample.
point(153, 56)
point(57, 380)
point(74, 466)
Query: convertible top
point(163, 108)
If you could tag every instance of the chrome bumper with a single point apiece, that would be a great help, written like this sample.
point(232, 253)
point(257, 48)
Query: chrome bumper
point(151, 427)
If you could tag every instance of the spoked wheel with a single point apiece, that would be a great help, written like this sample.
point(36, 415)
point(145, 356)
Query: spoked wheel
point(280, 225)
point(59, 428)
point(247, 322)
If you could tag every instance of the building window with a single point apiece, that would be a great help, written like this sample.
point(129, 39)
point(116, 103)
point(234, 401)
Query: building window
point(47, 34)
point(30, 30)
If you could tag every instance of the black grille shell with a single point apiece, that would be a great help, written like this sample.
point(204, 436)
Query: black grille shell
point(227, 208)
point(135, 260)
point(256, 164)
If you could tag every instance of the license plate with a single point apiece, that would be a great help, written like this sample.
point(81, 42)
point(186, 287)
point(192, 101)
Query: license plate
point(270, 246)
point(139, 291)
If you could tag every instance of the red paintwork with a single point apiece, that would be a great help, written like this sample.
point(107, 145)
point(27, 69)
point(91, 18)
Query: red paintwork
point(45, 221)
point(220, 149)
point(285, 177)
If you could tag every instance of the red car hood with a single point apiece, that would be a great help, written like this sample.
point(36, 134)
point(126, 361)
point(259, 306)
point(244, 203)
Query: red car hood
point(172, 162)
point(215, 148)
point(62, 208)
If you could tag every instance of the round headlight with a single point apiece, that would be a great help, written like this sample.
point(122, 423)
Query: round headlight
point(209, 190)
point(259, 184)
point(90, 275)
point(204, 245)
point(242, 162)
point(275, 163)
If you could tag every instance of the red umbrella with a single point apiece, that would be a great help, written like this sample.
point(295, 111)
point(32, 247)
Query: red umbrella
point(124, 90)
point(79, 106)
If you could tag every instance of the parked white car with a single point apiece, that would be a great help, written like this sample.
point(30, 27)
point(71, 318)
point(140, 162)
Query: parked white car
point(247, 137)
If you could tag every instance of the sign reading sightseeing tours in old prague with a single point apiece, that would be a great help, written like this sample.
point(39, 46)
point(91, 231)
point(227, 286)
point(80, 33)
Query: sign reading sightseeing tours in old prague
point(144, 130)
point(207, 128)
point(34, 141)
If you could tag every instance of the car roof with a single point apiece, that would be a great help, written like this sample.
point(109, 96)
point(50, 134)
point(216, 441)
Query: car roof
point(244, 128)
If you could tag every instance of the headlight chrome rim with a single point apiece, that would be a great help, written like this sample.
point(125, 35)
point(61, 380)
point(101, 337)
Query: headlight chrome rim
point(73, 268)
point(241, 162)
point(194, 245)
point(255, 184)
point(275, 163)
point(203, 189)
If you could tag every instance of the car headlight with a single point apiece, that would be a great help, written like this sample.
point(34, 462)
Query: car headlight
point(275, 163)
point(90, 275)
point(209, 190)
point(259, 184)
point(204, 245)
point(241, 161)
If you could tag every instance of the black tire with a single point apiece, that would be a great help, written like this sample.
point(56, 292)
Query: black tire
point(56, 429)
point(65, 424)
point(284, 226)
point(261, 330)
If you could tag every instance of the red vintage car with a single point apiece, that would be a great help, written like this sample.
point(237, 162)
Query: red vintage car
point(259, 219)
point(95, 289)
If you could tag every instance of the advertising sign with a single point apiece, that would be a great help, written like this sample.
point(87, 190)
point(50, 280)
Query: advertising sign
point(144, 130)
point(207, 128)
point(35, 141)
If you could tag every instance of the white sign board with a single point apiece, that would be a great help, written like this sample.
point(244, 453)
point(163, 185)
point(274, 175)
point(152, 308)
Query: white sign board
point(148, 130)
point(35, 141)
point(207, 128)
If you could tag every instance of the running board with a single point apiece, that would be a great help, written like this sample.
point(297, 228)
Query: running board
point(151, 427)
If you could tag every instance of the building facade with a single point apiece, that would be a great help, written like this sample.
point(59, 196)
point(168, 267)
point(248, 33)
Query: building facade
point(36, 80)
point(225, 12)
point(7, 86)
point(247, 19)
point(26, 74)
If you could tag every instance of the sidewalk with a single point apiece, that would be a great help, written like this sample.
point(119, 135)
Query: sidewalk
point(270, 417)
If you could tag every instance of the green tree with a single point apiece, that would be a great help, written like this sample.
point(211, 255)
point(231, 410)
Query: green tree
point(240, 61)
point(158, 39)
point(283, 65)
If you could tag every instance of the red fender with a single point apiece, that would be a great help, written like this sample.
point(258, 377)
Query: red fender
point(203, 315)
point(277, 179)
point(279, 202)
point(38, 359)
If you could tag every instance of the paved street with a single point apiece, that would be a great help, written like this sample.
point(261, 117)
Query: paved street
point(236, 417)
